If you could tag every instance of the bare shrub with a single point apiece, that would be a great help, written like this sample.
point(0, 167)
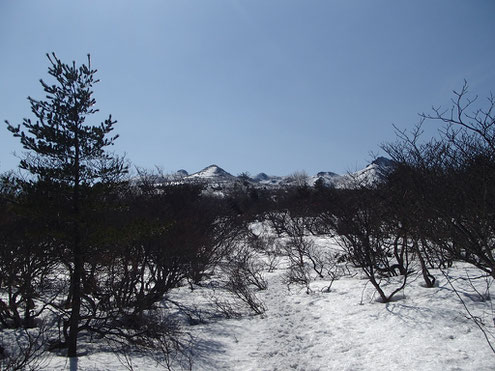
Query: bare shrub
point(369, 242)
point(24, 349)
point(245, 275)
point(298, 271)
point(266, 245)
point(227, 308)
point(307, 261)
point(246, 294)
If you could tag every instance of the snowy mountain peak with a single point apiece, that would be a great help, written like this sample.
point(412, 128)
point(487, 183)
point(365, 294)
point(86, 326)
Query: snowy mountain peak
point(371, 175)
point(326, 174)
point(212, 172)
point(260, 177)
point(383, 162)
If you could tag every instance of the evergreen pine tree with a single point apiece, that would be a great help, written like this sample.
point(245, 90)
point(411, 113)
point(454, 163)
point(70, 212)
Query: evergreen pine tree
point(69, 154)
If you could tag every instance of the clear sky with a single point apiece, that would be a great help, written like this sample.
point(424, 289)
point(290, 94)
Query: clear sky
point(251, 85)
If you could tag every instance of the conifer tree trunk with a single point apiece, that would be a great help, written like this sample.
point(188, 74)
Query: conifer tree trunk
point(77, 259)
point(76, 296)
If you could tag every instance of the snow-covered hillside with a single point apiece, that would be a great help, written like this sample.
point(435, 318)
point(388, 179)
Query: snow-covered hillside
point(370, 175)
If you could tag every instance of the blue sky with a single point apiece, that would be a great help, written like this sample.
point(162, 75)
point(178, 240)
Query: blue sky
point(260, 85)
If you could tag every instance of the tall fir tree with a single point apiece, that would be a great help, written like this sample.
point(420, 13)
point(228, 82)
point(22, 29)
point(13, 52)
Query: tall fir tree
point(69, 155)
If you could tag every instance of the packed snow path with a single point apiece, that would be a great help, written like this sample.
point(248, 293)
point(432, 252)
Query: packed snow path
point(289, 335)
point(426, 330)
point(286, 337)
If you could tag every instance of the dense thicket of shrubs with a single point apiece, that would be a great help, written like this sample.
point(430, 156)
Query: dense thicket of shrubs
point(140, 241)
point(435, 205)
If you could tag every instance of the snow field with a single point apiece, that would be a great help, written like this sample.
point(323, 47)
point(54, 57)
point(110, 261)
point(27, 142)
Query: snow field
point(426, 330)
point(344, 329)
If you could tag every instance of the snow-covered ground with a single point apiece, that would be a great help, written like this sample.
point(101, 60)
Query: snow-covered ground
point(344, 329)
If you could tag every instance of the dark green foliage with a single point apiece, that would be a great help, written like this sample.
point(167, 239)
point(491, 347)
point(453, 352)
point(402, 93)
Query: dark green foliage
point(62, 146)
point(66, 157)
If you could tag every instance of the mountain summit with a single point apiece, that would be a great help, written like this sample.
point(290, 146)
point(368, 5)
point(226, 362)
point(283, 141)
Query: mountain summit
point(212, 172)
point(371, 175)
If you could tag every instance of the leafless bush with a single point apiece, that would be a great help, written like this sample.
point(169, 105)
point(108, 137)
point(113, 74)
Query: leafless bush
point(279, 221)
point(267, 246)
point(246, 294)
point(262, 243)
point(152, 334)
point(24, 349)
point(307, 261)
point(272, 262)
point(453, 180)
point(362, 220)
point(298, 272)
point(245, 272)
point(334, 270)
point(249, 268)
point(227, 309)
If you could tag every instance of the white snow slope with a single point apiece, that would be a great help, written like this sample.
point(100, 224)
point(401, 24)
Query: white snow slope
point(344, 329)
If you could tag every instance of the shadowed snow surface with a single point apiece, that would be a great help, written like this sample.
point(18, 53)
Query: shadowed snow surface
point(344, 329)
point(427, 330)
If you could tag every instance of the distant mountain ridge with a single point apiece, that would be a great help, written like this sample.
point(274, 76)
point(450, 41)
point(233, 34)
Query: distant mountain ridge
point(217, 178)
